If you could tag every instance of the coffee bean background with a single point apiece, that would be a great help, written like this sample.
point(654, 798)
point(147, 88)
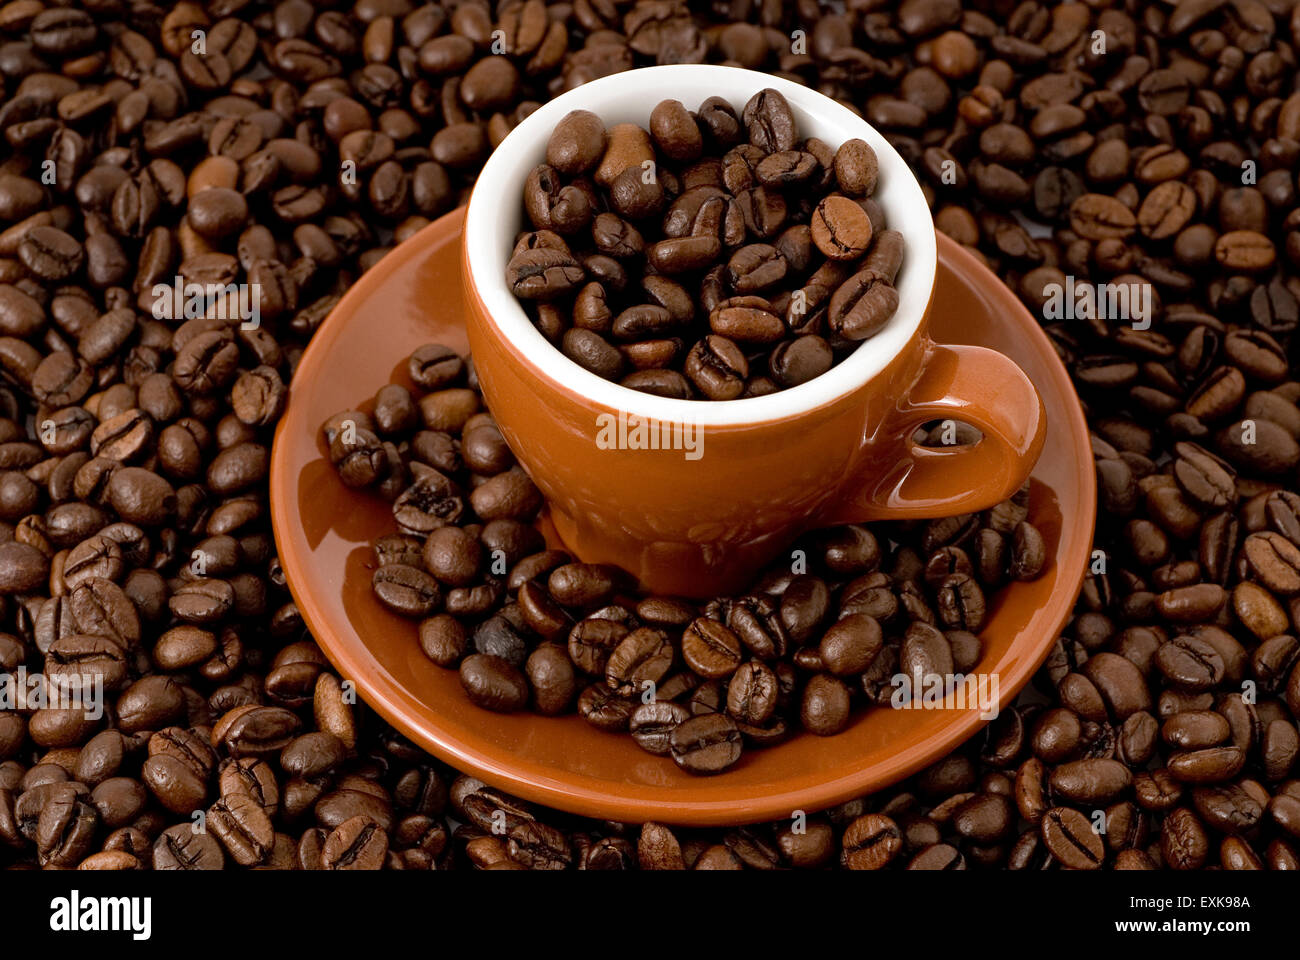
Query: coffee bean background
point(1167, 153)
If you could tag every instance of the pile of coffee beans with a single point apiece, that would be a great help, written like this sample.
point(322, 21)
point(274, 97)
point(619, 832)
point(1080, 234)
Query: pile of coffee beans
point(1023, 120)
point(723, 255)
point(1155, 147)
point(530, 627)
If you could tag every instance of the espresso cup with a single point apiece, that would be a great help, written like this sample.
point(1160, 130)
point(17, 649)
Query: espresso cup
point(695, 497)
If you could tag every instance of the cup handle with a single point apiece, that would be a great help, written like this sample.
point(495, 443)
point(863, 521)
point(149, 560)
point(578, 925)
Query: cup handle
point(973, 384)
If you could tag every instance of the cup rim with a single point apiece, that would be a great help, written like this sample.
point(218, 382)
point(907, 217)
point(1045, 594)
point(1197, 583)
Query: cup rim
point(495, 204)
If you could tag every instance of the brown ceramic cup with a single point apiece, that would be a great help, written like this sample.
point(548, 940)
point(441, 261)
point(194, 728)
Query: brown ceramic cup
point(694, 497)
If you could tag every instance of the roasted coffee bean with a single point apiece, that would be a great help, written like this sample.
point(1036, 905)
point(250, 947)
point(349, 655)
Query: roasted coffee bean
point(871, 842)
point(717, 368)
point(769, 122)
point(1190, 663)
point(358, 843)
point(202, 601)
point(825, 707)
point(961, 602)
point(22, 567)
point(552, 678)
point(538, 846)
point(181, 848)
point(577, 143)
point(243, 828)
point(711, 649)
point(50, 253)
point(705, 744)
point(925, 653)
point(641, 658)
point(862, 305)
point(841, 229)
point(1092, 781)
point(857, 168)
point(493, 683)
point(498, 637)
point(76, 661)
point(849, 646)
point(652, 725)
point(752, 694)
point(600, 707)
point(543, 274)
point(257, 731)
point(1071, 840)
point(1210, 765)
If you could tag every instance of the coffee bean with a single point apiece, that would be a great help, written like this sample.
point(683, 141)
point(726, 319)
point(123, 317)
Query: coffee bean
point(243, 829)
point(641, 658)
point(652, 725)
point(552, 678)
point(577, 143)
point(1092, 781)
point(862, 305)
point(841, 229)
point(543, 274)
point(180, 848)
point(938, 856)
point(1096, 216)
point(592, 640)
point(769, 122)
point(1183, 842)
point(1189, 662)
point(1211, 765)
point(871, 842)
point(850, 645)
point(358, 843)
point(257, 731)
point(1070, 839)
point(856, 168)
point(710, 649)
point(705, 744)
point(493, 683)
point(752, 693)
point(825, 707)
point(600, 707)
point(592, 352)
point(24, 567)
point(50, 253)
point(538, 846)
point(717, 368)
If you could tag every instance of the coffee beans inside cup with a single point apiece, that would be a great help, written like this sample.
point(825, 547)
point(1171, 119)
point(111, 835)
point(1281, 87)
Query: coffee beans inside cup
point(715, 255)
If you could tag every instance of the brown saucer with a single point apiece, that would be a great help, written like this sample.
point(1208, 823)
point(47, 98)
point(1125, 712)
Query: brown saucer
point(323, 531)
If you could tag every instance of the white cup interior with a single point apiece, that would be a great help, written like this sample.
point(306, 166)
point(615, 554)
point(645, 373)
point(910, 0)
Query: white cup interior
point(496, 216)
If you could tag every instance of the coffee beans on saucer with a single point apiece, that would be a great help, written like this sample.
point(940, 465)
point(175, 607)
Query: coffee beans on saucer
point(715, 255)
point(531, 628)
